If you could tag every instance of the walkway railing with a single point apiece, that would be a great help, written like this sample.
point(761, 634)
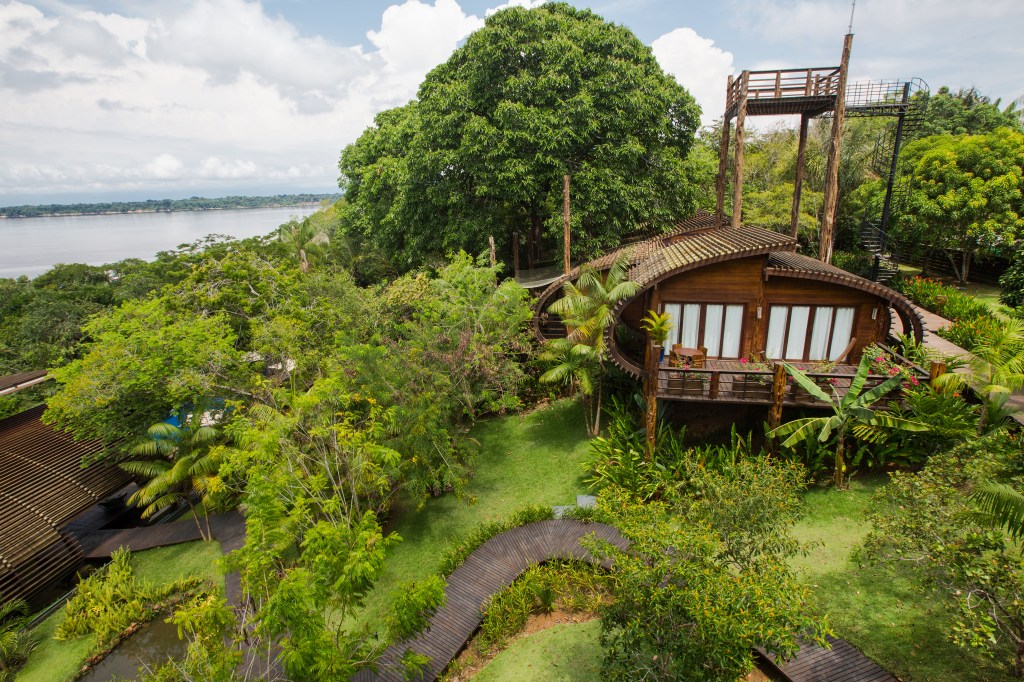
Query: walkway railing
point(784, 83)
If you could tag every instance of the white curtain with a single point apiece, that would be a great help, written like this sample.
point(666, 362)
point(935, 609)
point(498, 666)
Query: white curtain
point(674, 311)
point(798, 316)
point(691, 323)
point(713, 330)
point(820, 333)
point(842, 331)
point(776, 331)
point(731, 331)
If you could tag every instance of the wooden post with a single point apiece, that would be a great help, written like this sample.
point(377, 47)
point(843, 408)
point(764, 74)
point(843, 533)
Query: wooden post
point(778, 397)
point(741, 117)
point(651, 415)
point(828, 218)
point(515, 252)
point(723, 162)
point(798, 181)
point(936, 370)
point(494, 253)
point(565, 219)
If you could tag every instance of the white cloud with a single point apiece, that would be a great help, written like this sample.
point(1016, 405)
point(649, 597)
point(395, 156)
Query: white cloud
point(198, 93)
point(698, 65)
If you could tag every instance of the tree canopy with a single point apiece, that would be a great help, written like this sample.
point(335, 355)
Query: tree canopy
point(534, 95)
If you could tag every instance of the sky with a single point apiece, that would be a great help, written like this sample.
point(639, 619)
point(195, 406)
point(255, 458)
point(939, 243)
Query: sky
point(130, 99)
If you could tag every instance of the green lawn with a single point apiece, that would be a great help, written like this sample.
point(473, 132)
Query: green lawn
point(889, 619)
point(565, 653)
point(53, 660)
point(523, 459)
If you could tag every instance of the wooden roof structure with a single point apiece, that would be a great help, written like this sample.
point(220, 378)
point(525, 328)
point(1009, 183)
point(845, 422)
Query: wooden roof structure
point(44, 486)
point(12, 383)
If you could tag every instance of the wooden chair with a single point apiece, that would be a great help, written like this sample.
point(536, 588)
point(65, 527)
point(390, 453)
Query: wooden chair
point(841, 358)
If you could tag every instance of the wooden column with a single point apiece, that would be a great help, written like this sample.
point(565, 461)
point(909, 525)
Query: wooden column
point(651, 414)
point(515, 252)
point(798, 181)
point(778, 397)
point(828, 218)
point(737, 177)
point(565, 220)
point(723, 161)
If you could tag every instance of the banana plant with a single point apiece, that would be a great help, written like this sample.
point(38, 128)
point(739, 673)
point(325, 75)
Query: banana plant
point(849, 411)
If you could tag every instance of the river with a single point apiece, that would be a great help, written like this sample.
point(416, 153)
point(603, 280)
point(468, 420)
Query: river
point(31, 246)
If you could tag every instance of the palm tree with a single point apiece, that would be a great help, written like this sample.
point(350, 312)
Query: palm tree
point(15, 644)
point(1001, 506)
point(995, 370)
point(304, 238)
point(180, 461)
point(586, 309)
point(849, 411)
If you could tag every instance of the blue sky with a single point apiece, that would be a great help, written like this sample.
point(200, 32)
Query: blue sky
point(128, 99)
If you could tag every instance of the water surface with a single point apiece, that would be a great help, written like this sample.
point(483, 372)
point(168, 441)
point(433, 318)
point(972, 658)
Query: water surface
point(31, 246)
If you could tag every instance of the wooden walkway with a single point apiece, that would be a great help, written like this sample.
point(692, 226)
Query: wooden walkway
point(841, 663)
point(488, 570)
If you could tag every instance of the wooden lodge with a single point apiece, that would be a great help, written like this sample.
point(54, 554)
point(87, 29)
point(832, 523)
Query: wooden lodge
point(740, 300)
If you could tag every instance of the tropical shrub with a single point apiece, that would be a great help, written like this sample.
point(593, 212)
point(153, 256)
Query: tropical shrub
point(113, 598)
point(575, 586)
point(1012, 283)
point(970, 317)
point(675, 572)
point(15, 643)
point(927, 525)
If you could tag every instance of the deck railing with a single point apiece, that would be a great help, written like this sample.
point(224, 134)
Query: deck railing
point(782, 83)
point(755, 385)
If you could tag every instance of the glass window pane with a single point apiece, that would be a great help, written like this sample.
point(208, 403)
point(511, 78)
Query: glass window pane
point(820, 333)
point(674, 311)
point(841, 333)
point(776, 331)
point(731, 333)
point(713, 330)
point(691, 321)
point(798, 316)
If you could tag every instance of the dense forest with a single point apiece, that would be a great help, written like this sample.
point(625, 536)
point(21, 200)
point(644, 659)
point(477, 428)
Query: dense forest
point(164, 205)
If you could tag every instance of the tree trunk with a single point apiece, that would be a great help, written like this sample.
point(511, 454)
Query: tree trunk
point(966, 267)
point(195, 516)
point(840, 464)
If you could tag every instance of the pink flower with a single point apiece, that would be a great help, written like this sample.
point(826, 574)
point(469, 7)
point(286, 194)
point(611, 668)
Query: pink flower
point(913, 380)
point(743, 361)
point(893, 371)
point(879, 359)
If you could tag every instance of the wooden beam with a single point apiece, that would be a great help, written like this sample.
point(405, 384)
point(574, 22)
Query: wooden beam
point(828, 218)
point(778, 397)
point(741, 117)
point(723, 162)
point(565, 220)
point(651, 414)
point(798, 181)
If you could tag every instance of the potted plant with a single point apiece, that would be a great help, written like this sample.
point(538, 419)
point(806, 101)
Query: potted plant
point(657, 325)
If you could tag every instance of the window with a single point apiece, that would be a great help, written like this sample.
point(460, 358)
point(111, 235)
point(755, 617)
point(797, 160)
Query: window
point(716, 326)
point(802, 332)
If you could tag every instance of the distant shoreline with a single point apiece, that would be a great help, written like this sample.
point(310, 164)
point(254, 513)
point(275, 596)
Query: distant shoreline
point(192, 204)
point(69, 214)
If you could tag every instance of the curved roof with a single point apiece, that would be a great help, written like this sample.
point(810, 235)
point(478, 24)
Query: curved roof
point(803, 267)
point(43, 487)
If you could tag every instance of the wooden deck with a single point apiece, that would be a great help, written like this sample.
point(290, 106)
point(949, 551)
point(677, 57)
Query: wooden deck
point(731, 381)
point(841, 663)
point(488, 570)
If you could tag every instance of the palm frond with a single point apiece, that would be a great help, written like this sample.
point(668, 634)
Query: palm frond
point(1001, 507)
point(805, 383)
point(799, 429)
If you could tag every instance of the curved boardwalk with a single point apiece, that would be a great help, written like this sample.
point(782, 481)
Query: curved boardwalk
point(489, 569)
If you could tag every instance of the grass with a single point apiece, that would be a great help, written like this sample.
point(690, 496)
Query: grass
point(53, 660)
point(569, 652)
point(523, 459)
point(887, 617)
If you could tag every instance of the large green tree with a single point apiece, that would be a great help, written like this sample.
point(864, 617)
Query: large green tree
point(968, 193)
point(533, 96)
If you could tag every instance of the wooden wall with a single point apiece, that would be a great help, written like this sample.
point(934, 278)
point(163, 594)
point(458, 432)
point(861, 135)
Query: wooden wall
point(742, 281)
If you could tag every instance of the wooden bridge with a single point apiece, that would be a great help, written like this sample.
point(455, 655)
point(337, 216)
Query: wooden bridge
point(488, 570)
